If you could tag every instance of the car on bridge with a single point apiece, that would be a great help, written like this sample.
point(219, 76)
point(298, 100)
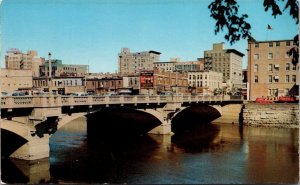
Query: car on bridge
point(18, 93)
point(79, 94)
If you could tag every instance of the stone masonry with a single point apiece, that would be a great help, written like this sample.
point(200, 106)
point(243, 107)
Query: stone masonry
point(281, 115)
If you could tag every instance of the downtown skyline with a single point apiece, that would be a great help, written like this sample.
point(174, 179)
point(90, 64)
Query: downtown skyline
point(94, 32)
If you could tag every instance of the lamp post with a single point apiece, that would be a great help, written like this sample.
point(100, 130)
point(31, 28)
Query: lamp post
point(50, 73)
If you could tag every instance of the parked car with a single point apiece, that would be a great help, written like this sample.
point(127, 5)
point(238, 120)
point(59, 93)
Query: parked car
point(5, 94)
point(18, 93)
point(263, 100)
point(112, 94)
point(79, 94)
point(286, 99)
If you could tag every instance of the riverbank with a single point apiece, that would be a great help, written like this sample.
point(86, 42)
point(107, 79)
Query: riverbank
point(280, 115)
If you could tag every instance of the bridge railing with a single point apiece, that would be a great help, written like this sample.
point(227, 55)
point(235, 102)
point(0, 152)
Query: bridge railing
point(57, 100)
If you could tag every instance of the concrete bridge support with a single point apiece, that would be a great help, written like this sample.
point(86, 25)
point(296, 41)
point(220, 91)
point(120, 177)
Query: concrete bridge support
point(35, 148)
point(164, 115)
point(229, 113)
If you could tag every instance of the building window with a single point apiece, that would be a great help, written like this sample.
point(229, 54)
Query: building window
point(287, 66)
point(294, 78)
point(270, 67)
point(255, 67)
point(294, 68)
point(256, 56)
point(255, 79)
point(270, 56)
point(256, 45)
point(276, 67)
point(294, 43)
point(270, 78)
point(276, 78)
point(287, 78)
point(287, 43)
point(286, 55)
point(277, 44)
point(270, 44)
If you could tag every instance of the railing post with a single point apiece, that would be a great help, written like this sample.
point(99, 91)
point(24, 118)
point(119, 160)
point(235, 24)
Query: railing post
point(122, 101)
point(10, 102)
point(90, 101)
point(135, 100)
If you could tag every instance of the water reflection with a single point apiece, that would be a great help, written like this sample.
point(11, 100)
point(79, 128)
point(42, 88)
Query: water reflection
point(208, 154)
point(21, 171)
point(200, 139)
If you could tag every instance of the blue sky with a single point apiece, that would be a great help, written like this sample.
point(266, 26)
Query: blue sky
point(94, 31)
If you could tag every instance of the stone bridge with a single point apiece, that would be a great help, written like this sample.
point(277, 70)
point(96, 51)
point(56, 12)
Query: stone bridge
point(34, 119)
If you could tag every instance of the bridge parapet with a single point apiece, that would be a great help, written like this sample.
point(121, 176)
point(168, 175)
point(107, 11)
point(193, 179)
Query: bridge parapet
point(58, 101)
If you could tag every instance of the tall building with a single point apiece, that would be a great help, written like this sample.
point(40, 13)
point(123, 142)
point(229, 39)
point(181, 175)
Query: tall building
point(227, 61)
point(130, 63)
point(15, 59)
point(270, 70)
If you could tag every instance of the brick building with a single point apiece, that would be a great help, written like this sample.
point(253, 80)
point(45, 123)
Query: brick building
point(270, 71)
point(104, 85)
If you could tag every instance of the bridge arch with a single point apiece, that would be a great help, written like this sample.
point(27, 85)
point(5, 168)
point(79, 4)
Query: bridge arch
point(193, 115)
point(65, 118)
point(16, 127)
point(183, 108)
point(121, 120)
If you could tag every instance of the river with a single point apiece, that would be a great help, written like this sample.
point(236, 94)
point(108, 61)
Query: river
point(214, 154)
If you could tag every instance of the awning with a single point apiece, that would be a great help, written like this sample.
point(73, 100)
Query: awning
point(276, 77)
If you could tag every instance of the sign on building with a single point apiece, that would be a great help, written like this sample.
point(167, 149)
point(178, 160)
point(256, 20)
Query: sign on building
point(146, 79)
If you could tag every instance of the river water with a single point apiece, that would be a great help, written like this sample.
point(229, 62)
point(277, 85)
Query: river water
point(229, 154)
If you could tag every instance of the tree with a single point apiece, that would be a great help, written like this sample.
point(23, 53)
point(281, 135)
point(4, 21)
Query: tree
point(226, 14)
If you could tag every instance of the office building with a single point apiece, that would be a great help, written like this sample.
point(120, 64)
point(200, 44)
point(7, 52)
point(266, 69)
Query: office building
point(226, 61)
point(270, 70)
point(131, 63)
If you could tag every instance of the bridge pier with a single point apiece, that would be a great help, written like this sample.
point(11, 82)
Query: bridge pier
point(164, 116)
point(37, 171)
point(163, 129)
point(35, 148)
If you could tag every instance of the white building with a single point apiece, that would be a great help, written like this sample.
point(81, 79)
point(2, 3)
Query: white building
point(61, 85)
point(205, 81)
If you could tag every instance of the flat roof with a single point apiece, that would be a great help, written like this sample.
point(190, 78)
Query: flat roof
point(164, 62)
point(267, 41)
point(156, 52)
point(234, 51)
